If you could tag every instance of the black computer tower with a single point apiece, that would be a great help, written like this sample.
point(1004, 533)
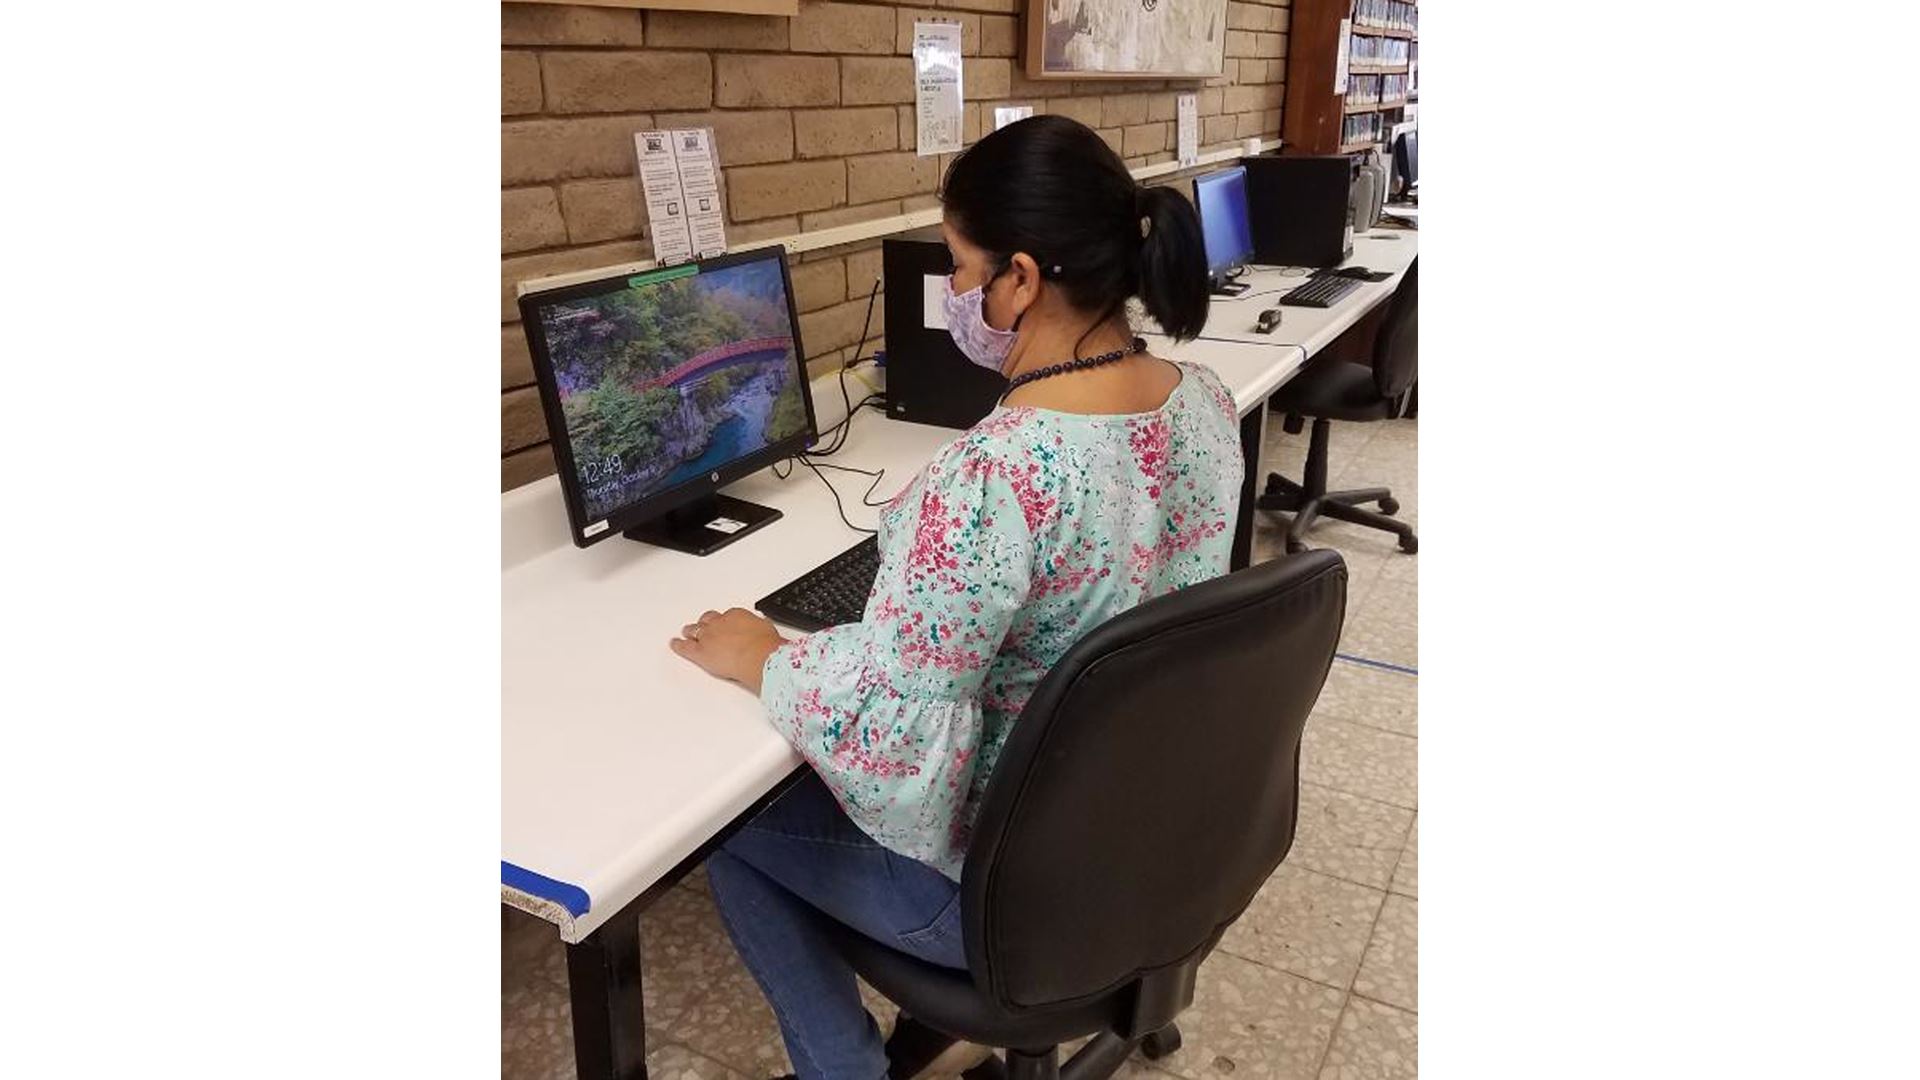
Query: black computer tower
point(929, 380)
point(1297, 209)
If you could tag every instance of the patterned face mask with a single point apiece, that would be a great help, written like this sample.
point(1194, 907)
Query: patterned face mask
point(967, 323)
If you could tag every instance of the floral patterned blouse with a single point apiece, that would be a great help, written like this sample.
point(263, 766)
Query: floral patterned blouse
point(1027, 531)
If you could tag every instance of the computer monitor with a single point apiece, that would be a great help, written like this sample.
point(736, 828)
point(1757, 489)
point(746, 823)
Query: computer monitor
point(1406, 159)
point(663, 386)
point(1221, 198)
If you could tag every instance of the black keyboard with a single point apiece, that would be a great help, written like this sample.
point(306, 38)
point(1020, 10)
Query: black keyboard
point(1321, 290)
point(832, 593)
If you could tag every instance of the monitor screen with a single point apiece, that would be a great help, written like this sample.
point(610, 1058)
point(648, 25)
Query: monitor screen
point(1222, 200)
point(665, 378)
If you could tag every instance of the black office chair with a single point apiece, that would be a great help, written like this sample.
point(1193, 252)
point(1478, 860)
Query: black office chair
point(1340, 390)
point(1145, 794)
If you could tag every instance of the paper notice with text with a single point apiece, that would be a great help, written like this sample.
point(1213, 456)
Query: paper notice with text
point(1340, 56)
point(666, 205)
point(1007, 114)
point(700, 185)
point(936, 80)
point(1188, 114)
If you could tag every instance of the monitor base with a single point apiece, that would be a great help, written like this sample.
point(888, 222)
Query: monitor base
point(704, 526)
point(1229, 288)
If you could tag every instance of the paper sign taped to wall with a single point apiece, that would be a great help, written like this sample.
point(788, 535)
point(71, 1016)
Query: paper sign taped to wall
point(1340, 56)
point(1007, 114)
point(700, 184)
point(666, 205)
point(1188, 114)
point(936, 81)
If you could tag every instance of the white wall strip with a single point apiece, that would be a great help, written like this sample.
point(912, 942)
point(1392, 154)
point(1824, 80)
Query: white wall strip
point(868, 230)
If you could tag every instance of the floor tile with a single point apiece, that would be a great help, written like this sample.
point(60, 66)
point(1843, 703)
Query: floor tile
point(1358, 760)
point(1375, 1042)
point(1253, 1022)
point(536, 1025)
point(1370, 696)
point(684, 951)
point(1348, 837)
point(670, 1061)
point(1378, 633)
point(531, 947)
point(733, 1024)
point(1390, 971)
point(1405, 876)
point(1306, 924)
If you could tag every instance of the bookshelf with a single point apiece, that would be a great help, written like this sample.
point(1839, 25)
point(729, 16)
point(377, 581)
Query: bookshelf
point(1384, 53)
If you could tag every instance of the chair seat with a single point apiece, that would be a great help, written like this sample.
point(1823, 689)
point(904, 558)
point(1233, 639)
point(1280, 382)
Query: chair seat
point(1337, 391)
point(947, 1000)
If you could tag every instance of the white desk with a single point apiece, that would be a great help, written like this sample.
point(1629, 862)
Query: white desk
point(620, 760)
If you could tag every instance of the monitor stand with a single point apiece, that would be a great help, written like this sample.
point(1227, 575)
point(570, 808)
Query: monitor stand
point(704, 526)
point(1230, 288)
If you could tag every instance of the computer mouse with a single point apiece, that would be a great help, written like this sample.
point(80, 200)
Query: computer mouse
point(1269, 319)
point(1358, 273)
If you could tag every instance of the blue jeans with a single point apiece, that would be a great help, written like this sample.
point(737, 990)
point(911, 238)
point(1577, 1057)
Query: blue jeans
point(797, 864)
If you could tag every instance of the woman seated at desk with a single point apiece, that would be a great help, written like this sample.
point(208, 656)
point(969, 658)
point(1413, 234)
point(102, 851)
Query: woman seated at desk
point(1105, 478)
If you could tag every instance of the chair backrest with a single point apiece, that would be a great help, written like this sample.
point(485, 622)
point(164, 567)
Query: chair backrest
point(1149, 788)
point(1396, 349)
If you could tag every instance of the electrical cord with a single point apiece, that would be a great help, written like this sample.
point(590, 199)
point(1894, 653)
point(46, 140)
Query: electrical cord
point(837, 504)
point(838, 432)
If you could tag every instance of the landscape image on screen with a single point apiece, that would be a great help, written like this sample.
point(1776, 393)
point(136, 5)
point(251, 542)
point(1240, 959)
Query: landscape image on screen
point(673, 377)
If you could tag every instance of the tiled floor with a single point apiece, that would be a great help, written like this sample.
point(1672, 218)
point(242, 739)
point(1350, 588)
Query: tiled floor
point(1316, 982)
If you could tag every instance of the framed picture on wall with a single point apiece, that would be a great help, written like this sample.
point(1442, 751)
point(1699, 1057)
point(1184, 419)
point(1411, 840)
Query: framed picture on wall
point(1126, 39)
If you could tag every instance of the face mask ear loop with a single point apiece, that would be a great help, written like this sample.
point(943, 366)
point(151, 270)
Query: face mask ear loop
point(1008, 265)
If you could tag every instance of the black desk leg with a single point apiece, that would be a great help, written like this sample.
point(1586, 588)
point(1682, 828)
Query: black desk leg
point(1253, 437)
point(609, 1023)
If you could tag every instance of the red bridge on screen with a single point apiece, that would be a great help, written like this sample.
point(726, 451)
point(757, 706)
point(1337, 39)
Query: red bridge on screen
point(751, 351)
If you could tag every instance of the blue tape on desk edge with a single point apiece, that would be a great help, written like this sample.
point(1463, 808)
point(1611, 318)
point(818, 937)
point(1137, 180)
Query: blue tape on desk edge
point(572, 897)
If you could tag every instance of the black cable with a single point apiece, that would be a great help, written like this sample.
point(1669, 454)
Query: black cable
point(837, 504)
point(846, 399)
point(866, 497)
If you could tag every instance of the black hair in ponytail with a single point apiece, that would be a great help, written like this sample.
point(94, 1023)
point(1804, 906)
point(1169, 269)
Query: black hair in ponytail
point(1051, 187)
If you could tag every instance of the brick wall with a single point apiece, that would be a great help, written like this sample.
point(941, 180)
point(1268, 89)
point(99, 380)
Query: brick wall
point(815, 126)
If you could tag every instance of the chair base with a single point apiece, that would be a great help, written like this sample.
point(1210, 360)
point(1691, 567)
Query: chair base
point(1310, 501)
point(914, 1046)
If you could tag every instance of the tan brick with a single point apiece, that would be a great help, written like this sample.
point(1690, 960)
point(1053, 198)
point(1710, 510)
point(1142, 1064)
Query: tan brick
point(848, 215)
point(530, 218)
point(843, 28)
point(890, 176)
point(548, 24)
point(715, 30)
point(603, 210)
point(516, 363)
point(1241, 43)
point(985, 78)
point(906, 17)
point(1270, 45)
point(837, 327)
point(1164, 106)
point(586, 82)
point(1085, 110)
point(839, 132)
point(778, 81)
point(1119, 110)
point(1246, 17)
point(819, 284)
point(970, 122)
point(521, 421)
point(1145, 139)
point(873, 80)
point(1240, 99)
point(1207, 102)
point(1245, 124)
point(1007, 6)
point(925, 202)
point(863, 269)
point(536, 150)
point(528, 465)
point(999, 35)
point(1216, 129)
point(746, 235)
point(909, 130)
point(527, 267)
point(519, 83)
point(758, 191)
point(1270, 121)
point(1112, 137)
point(742, 137)
point(1282, 19)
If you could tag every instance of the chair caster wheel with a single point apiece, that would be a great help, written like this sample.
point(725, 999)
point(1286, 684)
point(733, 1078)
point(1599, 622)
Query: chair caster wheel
point(1160, 1043)
point(1409, 544)
point(1389, 506)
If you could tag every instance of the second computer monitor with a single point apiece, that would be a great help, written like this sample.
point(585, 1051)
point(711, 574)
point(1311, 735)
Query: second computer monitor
point(1221, 198)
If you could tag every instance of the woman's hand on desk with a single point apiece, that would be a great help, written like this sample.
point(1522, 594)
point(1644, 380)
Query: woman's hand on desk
point(733, 645)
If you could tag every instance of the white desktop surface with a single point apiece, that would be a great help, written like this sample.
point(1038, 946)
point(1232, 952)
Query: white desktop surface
point(1232, 318)
point(618, 758)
